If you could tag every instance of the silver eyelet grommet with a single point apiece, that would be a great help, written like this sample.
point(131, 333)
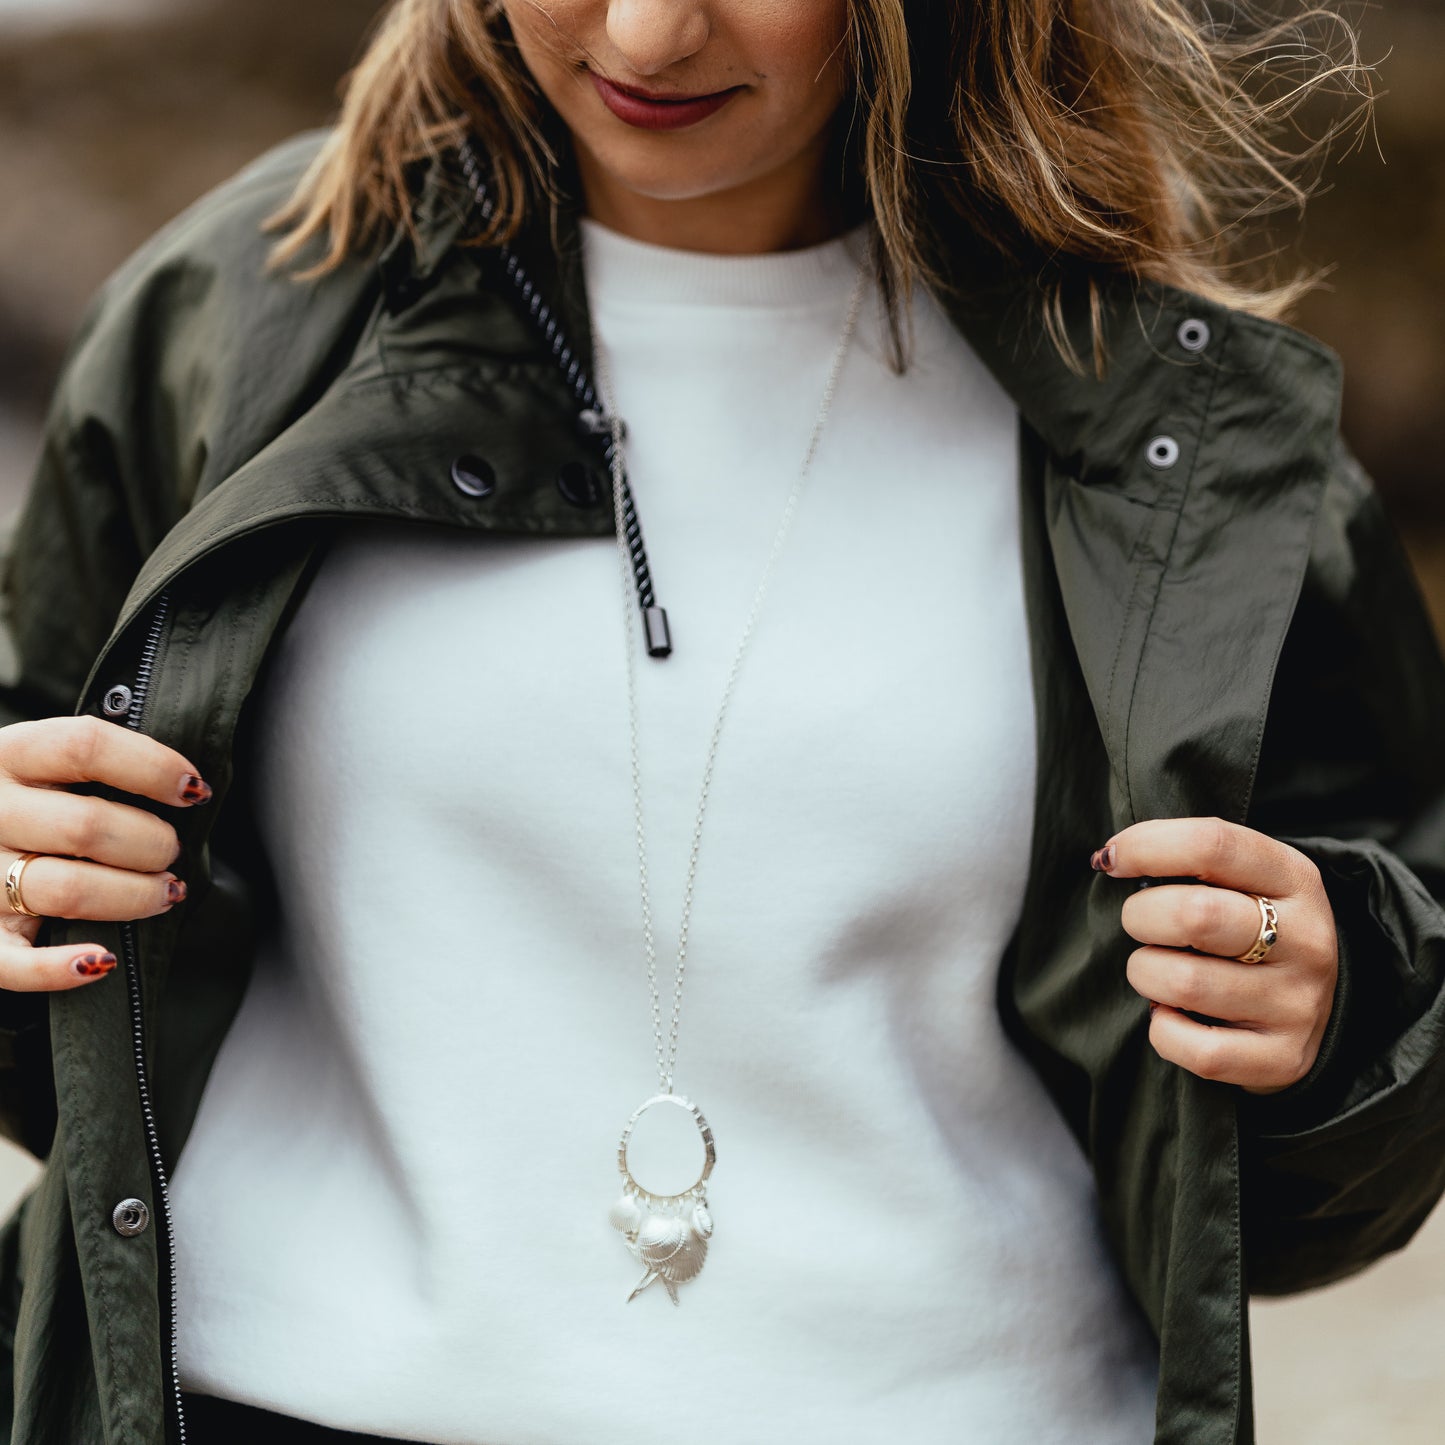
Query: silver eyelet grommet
point(116, 702)
point(130, 1217)
point(1193, 334)
point(1162, 453)
point(473, 476)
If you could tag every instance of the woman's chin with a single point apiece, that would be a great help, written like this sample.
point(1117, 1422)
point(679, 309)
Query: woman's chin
point(671, 178)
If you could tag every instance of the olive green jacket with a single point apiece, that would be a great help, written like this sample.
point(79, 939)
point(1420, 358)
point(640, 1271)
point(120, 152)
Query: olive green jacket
point(1225, 626)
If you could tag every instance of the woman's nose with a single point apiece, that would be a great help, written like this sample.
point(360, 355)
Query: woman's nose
point(650, 35)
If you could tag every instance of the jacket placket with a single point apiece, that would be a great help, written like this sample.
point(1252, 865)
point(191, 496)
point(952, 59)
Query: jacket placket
point(1164, 592)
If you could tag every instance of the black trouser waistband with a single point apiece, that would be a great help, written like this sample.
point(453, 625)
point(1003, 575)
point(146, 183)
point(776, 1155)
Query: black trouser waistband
point(210, 1421)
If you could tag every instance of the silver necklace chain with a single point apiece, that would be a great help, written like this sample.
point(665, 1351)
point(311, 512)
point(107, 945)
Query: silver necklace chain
point(667, 1052)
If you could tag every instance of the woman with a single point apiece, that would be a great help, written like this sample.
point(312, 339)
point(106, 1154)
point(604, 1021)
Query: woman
point(1081, 574)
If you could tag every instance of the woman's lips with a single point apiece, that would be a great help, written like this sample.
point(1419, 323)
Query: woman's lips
point(653, 112)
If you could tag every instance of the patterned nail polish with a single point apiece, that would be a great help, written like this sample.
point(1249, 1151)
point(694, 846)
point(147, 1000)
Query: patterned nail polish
point(175, 890)
point(195, 790)
point(1102, 859)
point(93, 965)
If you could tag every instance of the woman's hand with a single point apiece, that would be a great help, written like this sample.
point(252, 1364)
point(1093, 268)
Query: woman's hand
point(1274, 1011)
point(95, 858)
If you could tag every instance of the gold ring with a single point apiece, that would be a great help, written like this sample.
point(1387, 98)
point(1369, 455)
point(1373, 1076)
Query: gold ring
point(1268, 932)
point(12, 887)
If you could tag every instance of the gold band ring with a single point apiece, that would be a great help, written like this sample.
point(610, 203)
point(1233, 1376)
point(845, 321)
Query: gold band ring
point(12, 887)
point(1268, 931)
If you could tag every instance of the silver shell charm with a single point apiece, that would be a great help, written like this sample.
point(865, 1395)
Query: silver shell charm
point(668, 1233)
point(625, 1217)
point(688, 1261)
point(660, 1237)
point(672, 1251)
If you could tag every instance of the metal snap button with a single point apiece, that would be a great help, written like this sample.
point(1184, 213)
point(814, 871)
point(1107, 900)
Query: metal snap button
point(130, 1217)
point(1193, 334)
point(473, 476)
point(116, 703)
point(1162, 453)
point(579, 484)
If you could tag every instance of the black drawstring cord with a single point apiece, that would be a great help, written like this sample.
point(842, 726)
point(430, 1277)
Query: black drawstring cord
point(591, 415)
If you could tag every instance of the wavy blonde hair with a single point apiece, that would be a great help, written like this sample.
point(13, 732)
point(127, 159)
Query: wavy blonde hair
point(1082, 138)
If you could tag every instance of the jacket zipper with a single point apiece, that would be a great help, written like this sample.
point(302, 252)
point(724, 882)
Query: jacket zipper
point(139, 693)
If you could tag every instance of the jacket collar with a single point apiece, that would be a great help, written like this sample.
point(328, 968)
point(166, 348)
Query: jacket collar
point(442, 212)
point(1090, 423)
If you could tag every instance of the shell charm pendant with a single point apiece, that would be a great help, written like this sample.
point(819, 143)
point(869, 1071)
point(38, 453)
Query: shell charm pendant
point(666, 1233)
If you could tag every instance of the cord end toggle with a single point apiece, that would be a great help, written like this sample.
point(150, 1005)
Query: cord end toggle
point(659, 639)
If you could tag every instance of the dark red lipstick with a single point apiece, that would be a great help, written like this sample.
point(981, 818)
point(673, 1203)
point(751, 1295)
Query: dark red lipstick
point(649, 110)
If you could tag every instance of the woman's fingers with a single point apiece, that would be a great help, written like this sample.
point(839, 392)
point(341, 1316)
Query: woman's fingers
point(1291, 987)
point(54, 751)
point(1212, 850)
point(72, 888)
point(1261, 1062)
point(51, 820)
point(25, 969)
point(93, 858)
point(1262, 1022)
point(1214, 920)
point(1239, 993)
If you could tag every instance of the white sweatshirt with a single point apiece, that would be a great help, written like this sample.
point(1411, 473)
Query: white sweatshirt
point(391, 1215)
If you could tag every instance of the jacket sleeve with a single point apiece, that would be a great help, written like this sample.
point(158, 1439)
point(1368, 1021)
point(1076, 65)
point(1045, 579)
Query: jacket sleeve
point(1344, 1166)
point(69, 559)
point(70, 555)
point(188, 360)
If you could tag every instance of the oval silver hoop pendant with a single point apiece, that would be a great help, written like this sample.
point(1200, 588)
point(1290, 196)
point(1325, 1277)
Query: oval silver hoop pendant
point(666, 1233)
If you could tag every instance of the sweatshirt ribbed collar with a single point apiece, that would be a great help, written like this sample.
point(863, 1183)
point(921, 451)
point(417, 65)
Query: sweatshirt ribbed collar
point(628, 271)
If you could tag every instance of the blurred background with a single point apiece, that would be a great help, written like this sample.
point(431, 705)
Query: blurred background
point(115, 114)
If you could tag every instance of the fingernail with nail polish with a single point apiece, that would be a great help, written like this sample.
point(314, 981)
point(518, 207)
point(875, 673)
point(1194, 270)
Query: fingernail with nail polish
point(93, 965)
point(1102, 859)
point(194, 789)
point(175, 890)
